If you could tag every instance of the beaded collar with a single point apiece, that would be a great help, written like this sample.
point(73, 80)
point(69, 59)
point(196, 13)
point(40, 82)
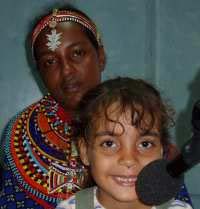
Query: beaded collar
point(41, 154)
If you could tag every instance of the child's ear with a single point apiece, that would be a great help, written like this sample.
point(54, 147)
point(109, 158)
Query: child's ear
point(82, 145)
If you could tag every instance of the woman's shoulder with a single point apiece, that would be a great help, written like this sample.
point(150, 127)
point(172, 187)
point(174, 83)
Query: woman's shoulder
point(12, 126)
point(20, 114)
point(14, 118)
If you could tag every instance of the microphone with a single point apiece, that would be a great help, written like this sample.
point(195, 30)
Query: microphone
point(161, 180)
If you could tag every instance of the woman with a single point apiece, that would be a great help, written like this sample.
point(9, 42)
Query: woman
point(42, 166)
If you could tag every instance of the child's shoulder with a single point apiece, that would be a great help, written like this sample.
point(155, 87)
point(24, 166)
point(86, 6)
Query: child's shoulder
point(84, 198)
point(67, 204)
point(178, 204)
point(174, 204)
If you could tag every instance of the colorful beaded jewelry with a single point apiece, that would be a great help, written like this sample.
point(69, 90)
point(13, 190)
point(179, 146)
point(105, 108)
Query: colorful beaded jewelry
point(41, 154)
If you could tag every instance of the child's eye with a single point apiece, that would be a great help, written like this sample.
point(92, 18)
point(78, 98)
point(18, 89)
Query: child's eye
point(146, 145)
point(108, 144)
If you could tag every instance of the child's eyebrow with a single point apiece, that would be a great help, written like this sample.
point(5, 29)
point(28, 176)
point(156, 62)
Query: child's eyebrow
point(151, 133)
point(104, 133)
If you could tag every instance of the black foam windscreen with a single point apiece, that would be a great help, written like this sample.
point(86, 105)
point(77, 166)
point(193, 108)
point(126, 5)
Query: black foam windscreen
point(196, 117)
point(155, 186)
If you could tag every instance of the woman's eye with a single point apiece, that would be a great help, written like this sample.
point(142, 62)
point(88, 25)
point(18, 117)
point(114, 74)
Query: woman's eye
point(47, 63)
point(50, 62)
point(78, 53)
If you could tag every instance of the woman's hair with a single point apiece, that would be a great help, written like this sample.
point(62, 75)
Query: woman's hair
point(135, 95)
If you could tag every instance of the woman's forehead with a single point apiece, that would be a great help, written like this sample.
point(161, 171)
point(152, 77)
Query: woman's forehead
point(64, 35)
point(62, 28)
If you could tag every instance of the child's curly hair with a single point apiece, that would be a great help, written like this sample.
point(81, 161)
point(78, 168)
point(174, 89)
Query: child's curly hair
point(136, 95)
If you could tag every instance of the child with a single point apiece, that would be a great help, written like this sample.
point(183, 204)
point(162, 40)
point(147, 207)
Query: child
point(123, 127)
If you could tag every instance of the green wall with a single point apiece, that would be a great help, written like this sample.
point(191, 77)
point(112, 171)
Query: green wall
point(158, 40)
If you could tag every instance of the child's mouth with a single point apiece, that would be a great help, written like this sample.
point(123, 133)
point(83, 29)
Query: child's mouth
point(125, 180)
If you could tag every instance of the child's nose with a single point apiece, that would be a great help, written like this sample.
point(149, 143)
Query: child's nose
point(128, 158)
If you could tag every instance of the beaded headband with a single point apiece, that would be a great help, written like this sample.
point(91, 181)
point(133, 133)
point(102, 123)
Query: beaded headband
point(64, 16)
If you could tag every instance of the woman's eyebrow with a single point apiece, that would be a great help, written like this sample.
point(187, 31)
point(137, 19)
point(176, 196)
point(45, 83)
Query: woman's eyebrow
point(82, 42)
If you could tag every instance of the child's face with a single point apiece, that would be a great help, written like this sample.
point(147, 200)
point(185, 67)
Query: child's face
point(116, 157)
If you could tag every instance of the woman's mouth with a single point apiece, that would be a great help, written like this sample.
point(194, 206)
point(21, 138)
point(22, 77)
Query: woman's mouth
point(71, 87)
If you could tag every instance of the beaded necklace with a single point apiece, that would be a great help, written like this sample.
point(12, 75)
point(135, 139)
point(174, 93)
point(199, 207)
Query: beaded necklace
point(41, 154)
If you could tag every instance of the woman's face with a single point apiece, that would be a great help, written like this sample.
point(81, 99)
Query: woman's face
point(73, 68)
point(116, 154)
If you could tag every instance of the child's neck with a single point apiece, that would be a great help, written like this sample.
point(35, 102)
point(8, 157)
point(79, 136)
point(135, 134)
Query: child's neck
point(110, 203)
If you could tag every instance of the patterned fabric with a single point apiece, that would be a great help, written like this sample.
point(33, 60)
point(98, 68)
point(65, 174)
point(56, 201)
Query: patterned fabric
point(41, 165)
point(71, 204)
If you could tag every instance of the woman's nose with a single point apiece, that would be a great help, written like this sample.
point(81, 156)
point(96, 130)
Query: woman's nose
point(67, 67)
